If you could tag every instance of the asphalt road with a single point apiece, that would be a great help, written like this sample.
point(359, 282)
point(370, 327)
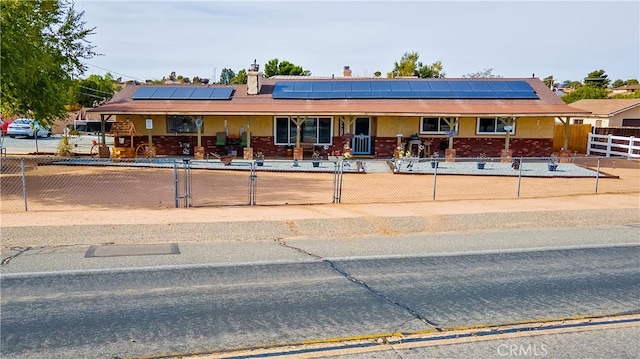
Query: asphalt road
point(49, 145)
point(119, 312)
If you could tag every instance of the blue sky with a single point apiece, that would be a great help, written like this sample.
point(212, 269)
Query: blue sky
point(567, 39)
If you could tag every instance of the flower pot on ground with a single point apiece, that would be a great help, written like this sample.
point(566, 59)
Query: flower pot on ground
point(259, 156)
point(482, 160)
point(315, 159)
point(434, 160)
point(553, 163)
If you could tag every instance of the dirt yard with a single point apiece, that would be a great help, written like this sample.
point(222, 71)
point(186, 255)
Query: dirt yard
point(62, 188)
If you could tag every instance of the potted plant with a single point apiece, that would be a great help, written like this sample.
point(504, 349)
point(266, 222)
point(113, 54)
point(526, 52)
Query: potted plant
point(553, 163)
point(315, 158)
point(259, 158)
point(482, 160)
point(434, 160)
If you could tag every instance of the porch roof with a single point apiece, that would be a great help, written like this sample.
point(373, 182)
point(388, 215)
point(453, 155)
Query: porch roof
point(243, 104)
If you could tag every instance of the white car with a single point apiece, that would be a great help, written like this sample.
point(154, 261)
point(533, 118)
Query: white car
point(26, 127)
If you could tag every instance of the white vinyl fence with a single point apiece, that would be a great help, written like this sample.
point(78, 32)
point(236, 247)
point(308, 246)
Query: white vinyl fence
point(613, 146)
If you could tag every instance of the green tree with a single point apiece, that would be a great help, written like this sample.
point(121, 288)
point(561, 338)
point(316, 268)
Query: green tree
point(410, 66)
point(240, 78)
point(94, 89)
point(484, 74)
point(42, 48)
point(407, 65)
point(618, 83)
point(435, 70)
point(274, 67)
point(574, 84)
point(549, 81)
point(585, 92)
point(226, 75)
point(598, 79)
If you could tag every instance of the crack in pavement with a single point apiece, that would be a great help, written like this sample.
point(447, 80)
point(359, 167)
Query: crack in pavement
point(20, 250)
point(361, 283)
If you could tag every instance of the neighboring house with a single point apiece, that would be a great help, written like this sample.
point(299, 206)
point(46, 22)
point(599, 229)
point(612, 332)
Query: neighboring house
point(609, 112)
point(371, 115)
point(626, 89)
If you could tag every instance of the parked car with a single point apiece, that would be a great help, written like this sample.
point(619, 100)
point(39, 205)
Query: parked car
point(26, 127)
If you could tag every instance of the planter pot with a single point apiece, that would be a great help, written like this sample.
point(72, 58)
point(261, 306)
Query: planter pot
point(480, 165)
point(260, 162)
point(552, 167)
point(316, 163)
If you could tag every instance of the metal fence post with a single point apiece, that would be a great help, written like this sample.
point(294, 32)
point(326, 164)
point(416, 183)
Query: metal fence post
point(176, 191)
point(519, 176)
point(337, 180)
point(597, 174)
point(24, 183)
point(252, 184)
point(435, 177)
point(187, 182)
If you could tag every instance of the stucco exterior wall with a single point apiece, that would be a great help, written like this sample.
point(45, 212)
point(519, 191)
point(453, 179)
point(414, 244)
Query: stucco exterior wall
point(526, 127)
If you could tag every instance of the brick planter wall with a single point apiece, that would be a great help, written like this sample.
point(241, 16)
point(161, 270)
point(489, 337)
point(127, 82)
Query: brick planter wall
point(472, 147)
point(383, 147)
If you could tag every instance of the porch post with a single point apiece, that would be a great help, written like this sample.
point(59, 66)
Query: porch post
point(508, 122)
point(297, 151)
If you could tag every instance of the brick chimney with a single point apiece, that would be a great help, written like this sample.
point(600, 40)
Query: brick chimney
point(346, 72)
point(254, 79)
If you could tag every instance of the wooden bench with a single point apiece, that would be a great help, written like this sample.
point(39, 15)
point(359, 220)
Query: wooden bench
point(308, 147)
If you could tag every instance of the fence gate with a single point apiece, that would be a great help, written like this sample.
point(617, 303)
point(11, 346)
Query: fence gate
point(183, 183)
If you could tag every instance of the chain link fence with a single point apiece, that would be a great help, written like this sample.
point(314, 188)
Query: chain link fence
point(60, 183)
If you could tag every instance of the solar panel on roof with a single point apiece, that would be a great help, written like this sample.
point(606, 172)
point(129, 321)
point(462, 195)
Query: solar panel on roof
point(419, 86)
point(380, 86)
point(291, 95)
point(340, 86)
point(440, 94)
point(399, 86)
point(477, 95)
point(425, 89)
point(163, 93)
point(221, 93)
point(499, 86)
point(519, 95)
point(459, 86)
point(327, 95)
point(283, 87)
point(479, 85)
point(520, 86)
point(322, 86)
point(144, 93)
point(182, 93)
point(364, 94)
point(401, 94)
point(361, 86)
point(303, 86)
point(201, 93)
point(440, 86)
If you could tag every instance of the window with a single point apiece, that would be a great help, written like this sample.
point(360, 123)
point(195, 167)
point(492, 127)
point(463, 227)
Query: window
point(434, 125)
point(578, 121)
point(493, 125)
point(182, 124)
point(315, 130)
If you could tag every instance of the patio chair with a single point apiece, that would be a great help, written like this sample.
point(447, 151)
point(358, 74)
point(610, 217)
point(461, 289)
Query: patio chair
point(221, 138)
